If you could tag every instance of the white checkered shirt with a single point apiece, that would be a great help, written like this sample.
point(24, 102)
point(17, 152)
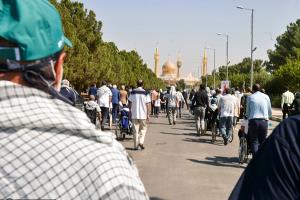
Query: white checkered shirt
point(50, 150)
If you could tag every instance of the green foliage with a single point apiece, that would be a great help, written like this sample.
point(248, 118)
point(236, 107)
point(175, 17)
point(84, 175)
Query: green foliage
point(287, 47)
point(239, 74)
point(181, 84)
point(91, 59)
point(287, 75)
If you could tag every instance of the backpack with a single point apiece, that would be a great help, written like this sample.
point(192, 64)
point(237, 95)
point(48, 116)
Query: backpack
point(92, 114)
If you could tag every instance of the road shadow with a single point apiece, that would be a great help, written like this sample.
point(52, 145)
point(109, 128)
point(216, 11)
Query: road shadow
point(159, 123)
point(185, 122)
point(185, 129)
point(220, 161)
point(204, 140)
point(130, 149)
point(178, 134)
point(198, 140)
point(156, 198)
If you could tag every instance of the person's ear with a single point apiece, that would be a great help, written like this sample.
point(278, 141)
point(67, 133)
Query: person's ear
point(59, 70)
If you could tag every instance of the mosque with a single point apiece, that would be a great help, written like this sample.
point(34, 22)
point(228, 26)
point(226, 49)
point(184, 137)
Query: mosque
point(171, 73)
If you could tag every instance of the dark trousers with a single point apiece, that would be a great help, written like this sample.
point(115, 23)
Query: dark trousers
point(258, 129)
point(179, 110)
point(156, 110)
point(105, 114)
point(285, 111)
point(152, 107)
point(115, 111)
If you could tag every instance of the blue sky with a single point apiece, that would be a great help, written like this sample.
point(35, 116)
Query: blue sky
point(186, 27)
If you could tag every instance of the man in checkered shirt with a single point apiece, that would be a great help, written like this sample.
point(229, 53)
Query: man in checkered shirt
point(49, 149)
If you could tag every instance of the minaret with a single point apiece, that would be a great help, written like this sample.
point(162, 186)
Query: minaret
point(179, 64)
point(156, 59)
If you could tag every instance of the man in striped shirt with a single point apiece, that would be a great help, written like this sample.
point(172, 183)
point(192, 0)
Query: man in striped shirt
point(49, 149)
point(287, 99)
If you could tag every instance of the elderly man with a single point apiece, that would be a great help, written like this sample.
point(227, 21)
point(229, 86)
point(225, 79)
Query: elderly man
point(92, 110)
point(287, 99)
point(49, 149)
point(104, 97)
point(226, 105)
point(68, 92)
point(258, 113)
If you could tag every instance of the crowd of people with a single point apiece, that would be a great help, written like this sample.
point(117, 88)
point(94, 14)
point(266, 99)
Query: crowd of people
point(51, 150)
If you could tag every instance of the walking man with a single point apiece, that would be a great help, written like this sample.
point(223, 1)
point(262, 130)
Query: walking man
point(68, 92)
point(173, 103)
point(48, 148)
point(115, 102)
point(287, 99)
point(226, 107)
point(181, 101)
point(140, 107)
point(199, 104)
point(258, 113)
point(104, 97)
point(93, 90)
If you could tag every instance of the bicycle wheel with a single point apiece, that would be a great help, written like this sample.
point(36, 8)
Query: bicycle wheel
point(242, 150)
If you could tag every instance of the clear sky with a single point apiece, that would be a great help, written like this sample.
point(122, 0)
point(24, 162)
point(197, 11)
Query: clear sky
point(187, 26)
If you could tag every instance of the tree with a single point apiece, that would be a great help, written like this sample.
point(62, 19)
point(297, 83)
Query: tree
point(287, 47)
point(91, 59)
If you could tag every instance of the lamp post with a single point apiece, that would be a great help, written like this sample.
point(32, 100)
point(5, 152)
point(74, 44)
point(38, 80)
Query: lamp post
point(227, 62)
point(214, 64)
point(252, 49)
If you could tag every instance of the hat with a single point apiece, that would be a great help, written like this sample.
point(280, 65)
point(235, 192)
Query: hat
point(34, 26)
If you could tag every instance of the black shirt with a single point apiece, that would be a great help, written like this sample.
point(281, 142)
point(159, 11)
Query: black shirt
point(200, 99)
point(274, 172)
point(296, 106)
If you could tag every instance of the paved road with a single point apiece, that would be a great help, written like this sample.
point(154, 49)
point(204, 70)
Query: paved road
point(178, 164)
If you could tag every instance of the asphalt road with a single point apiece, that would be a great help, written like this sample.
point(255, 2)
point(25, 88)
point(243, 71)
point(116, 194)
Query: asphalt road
point(178, 164)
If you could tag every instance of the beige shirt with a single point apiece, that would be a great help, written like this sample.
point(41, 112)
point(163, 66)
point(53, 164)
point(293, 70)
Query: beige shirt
point(287, 98)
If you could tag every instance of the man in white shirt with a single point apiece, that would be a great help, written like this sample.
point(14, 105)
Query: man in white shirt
point(104, 97)
point(181, 101)
point(227, 109)
point(140, 107)
point(287, 99)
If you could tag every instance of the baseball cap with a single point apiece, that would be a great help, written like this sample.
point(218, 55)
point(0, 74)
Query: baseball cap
point(34, 26)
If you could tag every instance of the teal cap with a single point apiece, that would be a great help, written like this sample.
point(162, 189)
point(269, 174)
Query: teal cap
point(34, 25)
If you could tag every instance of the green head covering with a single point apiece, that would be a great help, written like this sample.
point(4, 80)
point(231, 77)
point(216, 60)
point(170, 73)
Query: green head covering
point(34, 25)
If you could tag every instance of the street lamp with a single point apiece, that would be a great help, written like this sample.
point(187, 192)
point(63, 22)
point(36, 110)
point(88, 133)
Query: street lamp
point(252, 49)
point(227, 62)
point(214, 65)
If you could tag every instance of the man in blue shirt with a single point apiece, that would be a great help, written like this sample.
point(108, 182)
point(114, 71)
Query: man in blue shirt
point(258, 113)
point(93, 90)
point(115, 102)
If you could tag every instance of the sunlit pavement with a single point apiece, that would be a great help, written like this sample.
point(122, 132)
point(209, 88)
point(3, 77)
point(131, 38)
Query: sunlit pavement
point(178, 164)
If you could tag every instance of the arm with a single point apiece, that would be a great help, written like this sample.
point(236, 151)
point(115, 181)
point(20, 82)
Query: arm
point(282, 101)
point(193, 102)
point(269, 108)
point(148, 110)
point(248, 107)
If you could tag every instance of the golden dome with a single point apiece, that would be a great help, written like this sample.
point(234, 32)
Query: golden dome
point(168, 68)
